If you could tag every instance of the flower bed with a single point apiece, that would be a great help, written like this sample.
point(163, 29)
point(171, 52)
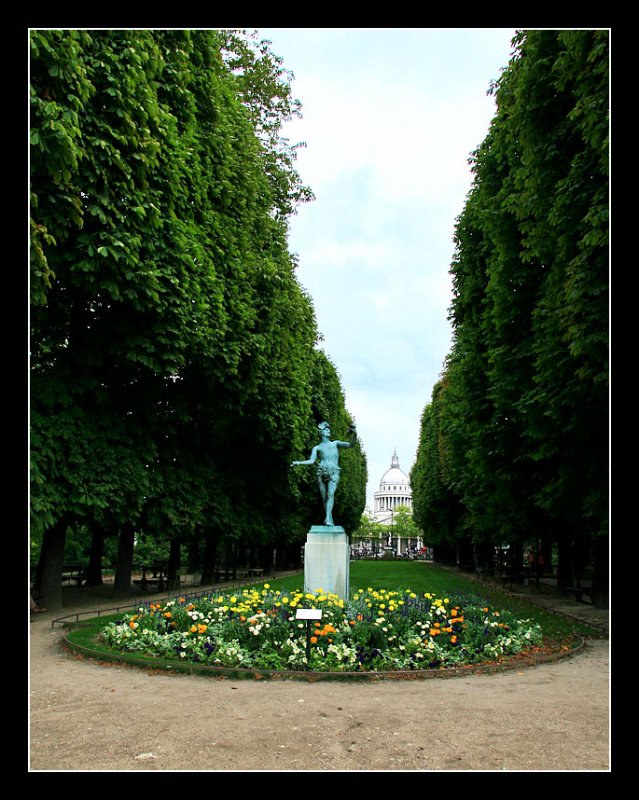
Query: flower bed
point(374, 631)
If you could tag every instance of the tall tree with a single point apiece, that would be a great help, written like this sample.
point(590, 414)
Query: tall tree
point(523, 417)
point(171, 342)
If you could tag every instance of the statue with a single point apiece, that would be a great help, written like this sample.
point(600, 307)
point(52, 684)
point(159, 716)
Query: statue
point(328, 467)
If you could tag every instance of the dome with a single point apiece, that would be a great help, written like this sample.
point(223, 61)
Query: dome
point(395, 475)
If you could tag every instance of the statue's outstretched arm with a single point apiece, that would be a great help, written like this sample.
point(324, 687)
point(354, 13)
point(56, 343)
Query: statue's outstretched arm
point(311, 460)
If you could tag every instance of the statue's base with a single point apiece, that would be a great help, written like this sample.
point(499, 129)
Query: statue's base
point(327, 560)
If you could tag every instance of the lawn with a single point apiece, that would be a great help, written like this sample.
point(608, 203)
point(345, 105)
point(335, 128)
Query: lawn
point(424, 576)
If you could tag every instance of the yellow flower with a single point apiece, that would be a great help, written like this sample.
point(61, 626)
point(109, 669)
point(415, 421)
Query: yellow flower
point(267, 585)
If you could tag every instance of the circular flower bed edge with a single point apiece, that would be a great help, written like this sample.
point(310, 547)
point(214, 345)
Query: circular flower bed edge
point(519, 661)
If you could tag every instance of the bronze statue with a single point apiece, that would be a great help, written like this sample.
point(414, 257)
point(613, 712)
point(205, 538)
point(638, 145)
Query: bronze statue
point(328, 469)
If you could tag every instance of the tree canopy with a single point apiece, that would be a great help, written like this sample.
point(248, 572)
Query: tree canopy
point(514, 444)
point(173, 351)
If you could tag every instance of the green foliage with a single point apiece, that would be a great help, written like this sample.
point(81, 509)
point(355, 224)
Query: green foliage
point(172, 347)
point(514, 442)
point(328, 403)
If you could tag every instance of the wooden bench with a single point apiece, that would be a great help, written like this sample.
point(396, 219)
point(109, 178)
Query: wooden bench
point(580, 591)
point(74, 572)
point(225, 574)
point(510, 578)
point(159, 584)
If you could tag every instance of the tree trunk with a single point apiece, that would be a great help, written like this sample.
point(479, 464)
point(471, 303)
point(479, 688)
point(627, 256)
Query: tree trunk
point(193, 555)
point(209, 558)
point(546, 555)
point(565, 568)
point(124, 566)
point(175, 562)
point(601, 579)
point(94, 569)
point(49, 579)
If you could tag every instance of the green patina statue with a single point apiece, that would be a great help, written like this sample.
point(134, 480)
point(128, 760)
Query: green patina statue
point(328, 469)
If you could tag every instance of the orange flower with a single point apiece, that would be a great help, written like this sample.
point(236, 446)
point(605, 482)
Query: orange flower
point(131, 624)
point(453, 639)
point(313, 639)
point(453, 613)
point(352, 622)
point(167, 614)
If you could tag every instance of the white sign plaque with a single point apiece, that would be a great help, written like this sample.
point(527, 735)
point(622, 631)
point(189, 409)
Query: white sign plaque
point(308, 613)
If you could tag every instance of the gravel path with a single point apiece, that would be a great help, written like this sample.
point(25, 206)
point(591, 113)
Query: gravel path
point(87, 716)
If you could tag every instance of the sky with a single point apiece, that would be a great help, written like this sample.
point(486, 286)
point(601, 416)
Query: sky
point(390, 117)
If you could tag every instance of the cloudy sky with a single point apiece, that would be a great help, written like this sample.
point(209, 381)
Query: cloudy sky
point(390, 117)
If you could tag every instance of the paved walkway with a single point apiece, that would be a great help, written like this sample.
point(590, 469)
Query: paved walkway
point(87, 716)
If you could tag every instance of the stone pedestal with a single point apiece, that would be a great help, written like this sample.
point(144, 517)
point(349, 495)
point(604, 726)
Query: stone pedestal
point(327, 560)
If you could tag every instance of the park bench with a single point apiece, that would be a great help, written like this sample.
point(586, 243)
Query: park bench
point(225, 574)
point(157, 581)
point(255, 572)
point(74, 572)
point(581, 591)
point(509, 578)
point(159, 584)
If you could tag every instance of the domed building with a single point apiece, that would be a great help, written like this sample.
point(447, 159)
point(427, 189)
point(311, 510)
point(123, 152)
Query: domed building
point(395, 493)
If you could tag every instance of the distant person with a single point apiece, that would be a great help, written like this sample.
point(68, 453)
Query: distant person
point(34, 607)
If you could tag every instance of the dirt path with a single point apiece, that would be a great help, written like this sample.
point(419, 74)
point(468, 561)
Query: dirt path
point(85, 716)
